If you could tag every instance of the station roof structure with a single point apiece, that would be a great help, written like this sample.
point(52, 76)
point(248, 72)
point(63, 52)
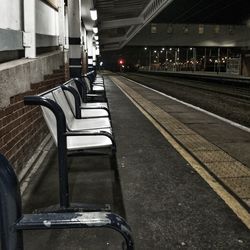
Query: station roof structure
point(119, 21)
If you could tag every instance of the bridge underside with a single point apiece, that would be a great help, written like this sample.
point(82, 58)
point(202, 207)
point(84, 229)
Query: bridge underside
point(193, 35)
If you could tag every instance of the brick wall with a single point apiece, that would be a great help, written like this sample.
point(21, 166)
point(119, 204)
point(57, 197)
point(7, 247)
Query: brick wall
point(22, 128)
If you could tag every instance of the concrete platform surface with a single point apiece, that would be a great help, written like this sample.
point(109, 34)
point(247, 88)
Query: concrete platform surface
point(210, 140)
point(167, 204)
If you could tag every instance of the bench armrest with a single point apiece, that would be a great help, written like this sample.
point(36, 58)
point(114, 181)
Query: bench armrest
point(77, 220)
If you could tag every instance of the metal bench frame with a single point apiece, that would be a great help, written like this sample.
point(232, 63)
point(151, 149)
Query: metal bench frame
point(77, 100)
point(94, 79)
point(86, 92)
point(13, 221)
point(73, 123)
point(62, 134)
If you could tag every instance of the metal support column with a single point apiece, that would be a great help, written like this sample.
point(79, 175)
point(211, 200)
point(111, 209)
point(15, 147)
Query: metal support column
point(218, 64)
point(187, 59)
point(194, 59)
point(175, 59)
point(205, 59)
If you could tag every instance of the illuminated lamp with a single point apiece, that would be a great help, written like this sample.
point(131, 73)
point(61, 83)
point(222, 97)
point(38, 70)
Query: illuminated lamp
point(93, 14)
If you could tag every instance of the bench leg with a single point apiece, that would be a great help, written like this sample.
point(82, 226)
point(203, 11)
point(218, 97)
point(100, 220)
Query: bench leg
point(10, 207)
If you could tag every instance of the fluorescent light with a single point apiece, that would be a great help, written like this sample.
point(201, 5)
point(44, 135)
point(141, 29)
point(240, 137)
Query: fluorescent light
point(97, 42)
point(96, 38)
point(95, 30)
point(93, 14)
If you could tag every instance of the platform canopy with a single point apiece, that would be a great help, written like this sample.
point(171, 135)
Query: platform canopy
point(120, 20)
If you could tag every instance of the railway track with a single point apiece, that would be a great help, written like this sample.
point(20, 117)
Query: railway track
point(225, 89)
point(227, 100)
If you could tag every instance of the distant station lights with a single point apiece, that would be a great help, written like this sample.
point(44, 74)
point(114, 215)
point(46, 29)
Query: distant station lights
point(189, 59)
point(93, 14)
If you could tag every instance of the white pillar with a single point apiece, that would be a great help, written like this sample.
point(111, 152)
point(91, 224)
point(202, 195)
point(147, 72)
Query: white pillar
point(66, 28)
point(61, 20)
point(29, 36)
point(90, 50)
point(75, 51)
point(84, 34)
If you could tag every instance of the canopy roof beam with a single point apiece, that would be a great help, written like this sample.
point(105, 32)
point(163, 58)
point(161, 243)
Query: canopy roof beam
point(121, 23)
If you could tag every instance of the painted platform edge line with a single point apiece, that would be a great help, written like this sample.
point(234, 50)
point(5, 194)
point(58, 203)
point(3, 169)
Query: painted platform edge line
point(233, 204)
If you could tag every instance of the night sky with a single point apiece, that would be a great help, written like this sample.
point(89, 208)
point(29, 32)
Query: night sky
point(206, 11)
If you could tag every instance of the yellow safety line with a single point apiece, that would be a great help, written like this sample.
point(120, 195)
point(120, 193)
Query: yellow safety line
point(236, 207)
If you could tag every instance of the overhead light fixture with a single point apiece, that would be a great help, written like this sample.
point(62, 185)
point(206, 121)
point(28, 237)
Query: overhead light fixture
point(95, 30)
point(93, 14)
point(96, 38)
point(97, 42)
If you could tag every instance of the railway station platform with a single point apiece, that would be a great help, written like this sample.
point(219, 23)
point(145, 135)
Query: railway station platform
point(182, 181)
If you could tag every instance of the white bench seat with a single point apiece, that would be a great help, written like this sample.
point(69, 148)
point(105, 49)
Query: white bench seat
point(93, 113)
point(78, 124)
point(88, 105)
point(89, 124)
point(93, 87)
point(87, 142)
point(97, 88)
point(94, 105)
point(84, 128)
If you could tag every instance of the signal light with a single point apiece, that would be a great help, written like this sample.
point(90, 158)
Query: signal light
point(121, 61)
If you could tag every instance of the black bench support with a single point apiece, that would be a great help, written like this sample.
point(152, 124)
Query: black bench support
point(61, 141)
point(13, 222)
